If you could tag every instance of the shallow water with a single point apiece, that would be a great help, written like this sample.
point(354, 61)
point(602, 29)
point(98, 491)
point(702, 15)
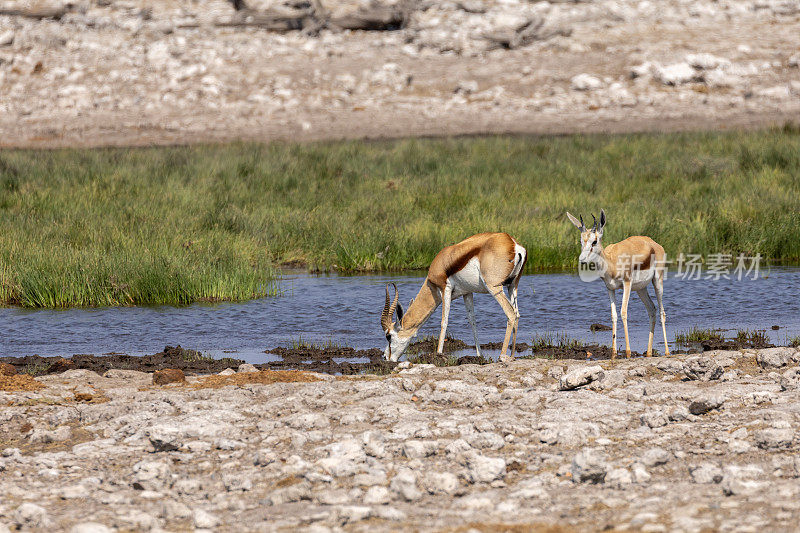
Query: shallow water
point(346, 309)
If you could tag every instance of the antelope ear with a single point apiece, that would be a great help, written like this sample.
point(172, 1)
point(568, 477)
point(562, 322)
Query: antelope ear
point(399, 313)
point(575, 222)
point(602, 218)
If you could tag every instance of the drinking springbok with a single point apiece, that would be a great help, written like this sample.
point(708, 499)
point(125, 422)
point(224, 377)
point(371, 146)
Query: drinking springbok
point(630, 264)
point(483, 263)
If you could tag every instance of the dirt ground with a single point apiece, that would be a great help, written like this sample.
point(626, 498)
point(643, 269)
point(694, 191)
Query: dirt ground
point(683, 443)
point(159, 72)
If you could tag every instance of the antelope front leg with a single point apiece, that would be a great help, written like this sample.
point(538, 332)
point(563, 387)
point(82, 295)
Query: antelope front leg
point(626, 296)
point(651, 312)
point(513, 297)
point(447, 296)
point(468, 303)
point(612, 295)
point(511, 315)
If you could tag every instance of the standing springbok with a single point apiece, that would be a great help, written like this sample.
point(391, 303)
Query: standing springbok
point(630, 264)
point(483, 263)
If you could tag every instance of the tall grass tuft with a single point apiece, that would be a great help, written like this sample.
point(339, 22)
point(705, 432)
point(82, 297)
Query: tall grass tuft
point(696, 334)
point(181, 224)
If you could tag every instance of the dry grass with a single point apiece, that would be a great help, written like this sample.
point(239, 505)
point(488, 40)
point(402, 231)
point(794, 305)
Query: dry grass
point(263, 377)
point(18, 383)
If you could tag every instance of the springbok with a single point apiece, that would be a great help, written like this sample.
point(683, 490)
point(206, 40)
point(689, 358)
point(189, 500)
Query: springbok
point(483, 263)
point(630, 264)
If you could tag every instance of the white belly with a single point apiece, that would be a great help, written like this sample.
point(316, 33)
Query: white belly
point(639, 281)
point(468, 279)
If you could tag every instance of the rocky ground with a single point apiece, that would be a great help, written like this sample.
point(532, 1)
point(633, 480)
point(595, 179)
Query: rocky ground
point(684, 443)
point(159, 71)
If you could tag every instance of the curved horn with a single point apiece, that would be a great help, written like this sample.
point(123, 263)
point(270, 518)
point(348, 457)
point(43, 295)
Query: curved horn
point(595, 222)
point(386, 321)
point(393, 307)
point(583, 226)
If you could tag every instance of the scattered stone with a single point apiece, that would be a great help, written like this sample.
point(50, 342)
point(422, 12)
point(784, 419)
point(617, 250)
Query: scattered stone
point(585, 82)
point(654, 419)
point(773, 438)
point(706, 473)
point(30, 515)
point(703, 369)
point(655, 457)
point(90, 527)
point(440, 483)
point(578, 377)
point(707, 61)
point(589, 466)
point(205, 520)
point(675, 74)
point(377, 495)
point(484, 469)
point(776, 357)
point(404, 484)
point(416, 449)
point(790, 380)
point(168, 375)
point(246, 368)
point(703, 404)
point(466, 87)
point(619, 477)
point(640, 473)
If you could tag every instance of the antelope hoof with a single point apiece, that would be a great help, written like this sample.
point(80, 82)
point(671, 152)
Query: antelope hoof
point(628, 354)
point(506, 358)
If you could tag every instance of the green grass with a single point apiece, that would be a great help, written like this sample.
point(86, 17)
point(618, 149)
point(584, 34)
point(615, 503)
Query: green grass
point(551, 339)
point(754, 337)
point(696, 334)
point(303, 344)
point(793, 341)
point(181, 224)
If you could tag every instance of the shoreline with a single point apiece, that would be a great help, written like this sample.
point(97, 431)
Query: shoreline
point(645, 444)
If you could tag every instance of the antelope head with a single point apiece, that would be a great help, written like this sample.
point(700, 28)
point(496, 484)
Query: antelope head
point(591, 248)
point(397, 342)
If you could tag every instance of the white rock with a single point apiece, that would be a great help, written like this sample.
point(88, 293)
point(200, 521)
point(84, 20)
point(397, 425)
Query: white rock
point(655, 457)
point(773, 438)
point(377, 495)
point(578, 377)
point(416, 449)
point(205, 520)
point(654, 419)
point(720, 78)
point(466, 87)
point(30, 515)
point(90, 527)
point(7, 38)
point(247, 368)
point(775, 357)
point(589, 466)
point(585, 82)
point(484, 469)
point(707, 61)
point(619, 477)
point(706, 473)
point(404, 484)
point(227, 372)
point(675, 74)
point(640, 473)
point(440, 482)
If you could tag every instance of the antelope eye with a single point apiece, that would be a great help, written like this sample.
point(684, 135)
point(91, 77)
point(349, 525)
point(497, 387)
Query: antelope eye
point(388, 336)
point(594, 243)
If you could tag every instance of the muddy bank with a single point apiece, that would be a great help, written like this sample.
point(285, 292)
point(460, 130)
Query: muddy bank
point(340, 360)
point(190, 361)
point(324, 360)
